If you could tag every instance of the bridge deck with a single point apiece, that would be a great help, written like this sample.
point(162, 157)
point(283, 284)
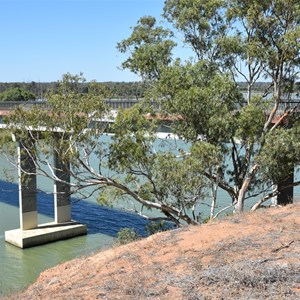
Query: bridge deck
point(115, 104)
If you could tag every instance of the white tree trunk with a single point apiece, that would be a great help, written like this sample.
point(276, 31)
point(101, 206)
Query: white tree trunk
point(243, 190)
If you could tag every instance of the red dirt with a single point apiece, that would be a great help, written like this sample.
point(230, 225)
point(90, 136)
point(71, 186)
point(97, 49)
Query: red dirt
point(250, 256)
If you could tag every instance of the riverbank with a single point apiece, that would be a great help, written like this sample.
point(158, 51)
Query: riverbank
point(251, 256)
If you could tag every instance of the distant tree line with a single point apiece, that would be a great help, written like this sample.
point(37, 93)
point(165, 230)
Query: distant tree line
point(26, 91)
point(289, 86)
point(17, 94)
point(9, 90)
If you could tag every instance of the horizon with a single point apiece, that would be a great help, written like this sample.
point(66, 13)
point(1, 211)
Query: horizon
point(110, 81)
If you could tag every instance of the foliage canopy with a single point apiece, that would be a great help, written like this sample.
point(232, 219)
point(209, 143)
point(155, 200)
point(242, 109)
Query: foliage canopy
point(241, 144)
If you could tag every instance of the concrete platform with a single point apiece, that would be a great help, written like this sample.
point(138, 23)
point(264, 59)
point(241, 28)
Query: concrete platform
point(44, 233)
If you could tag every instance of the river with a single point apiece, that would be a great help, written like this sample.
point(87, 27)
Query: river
point(20, 267)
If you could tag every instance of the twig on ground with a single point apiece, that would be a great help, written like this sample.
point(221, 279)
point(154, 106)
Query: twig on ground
point(285, 246)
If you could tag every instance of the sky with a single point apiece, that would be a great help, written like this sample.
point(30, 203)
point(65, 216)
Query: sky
point(43, 39)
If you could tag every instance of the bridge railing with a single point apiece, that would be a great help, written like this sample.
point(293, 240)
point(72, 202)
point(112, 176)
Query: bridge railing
point(9, 105)
point(127, 103)
point(113, 103)
point(284, 106)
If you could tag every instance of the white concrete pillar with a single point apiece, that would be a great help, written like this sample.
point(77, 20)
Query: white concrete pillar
point(27, 189)
point(62, 204)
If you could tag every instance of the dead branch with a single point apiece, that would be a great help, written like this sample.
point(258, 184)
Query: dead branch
point(285, 246)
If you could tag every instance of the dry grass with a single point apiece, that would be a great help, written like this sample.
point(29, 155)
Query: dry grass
point(252, 256)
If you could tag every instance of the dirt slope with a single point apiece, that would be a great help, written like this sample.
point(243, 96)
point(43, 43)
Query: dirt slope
point(252, 256)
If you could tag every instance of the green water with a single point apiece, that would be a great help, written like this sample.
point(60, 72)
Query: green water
point(19, 268)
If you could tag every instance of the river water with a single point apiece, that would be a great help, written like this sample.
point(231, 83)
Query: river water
point(18, 268)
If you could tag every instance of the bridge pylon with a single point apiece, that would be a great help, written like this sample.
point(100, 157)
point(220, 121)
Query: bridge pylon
point(30, 232)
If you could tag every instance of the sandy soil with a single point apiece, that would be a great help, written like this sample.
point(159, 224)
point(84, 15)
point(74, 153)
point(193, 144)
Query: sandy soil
point(251, 256)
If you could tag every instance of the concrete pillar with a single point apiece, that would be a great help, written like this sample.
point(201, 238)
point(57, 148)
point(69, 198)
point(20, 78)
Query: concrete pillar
point(62, 204)
point(27, 189)
point(30, 233)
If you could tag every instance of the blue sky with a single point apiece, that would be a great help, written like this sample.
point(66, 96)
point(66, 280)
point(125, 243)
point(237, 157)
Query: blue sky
point(43, 39)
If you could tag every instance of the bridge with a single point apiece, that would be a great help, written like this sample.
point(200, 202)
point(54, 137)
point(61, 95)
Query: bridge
point(30, 232)
point(115, 104)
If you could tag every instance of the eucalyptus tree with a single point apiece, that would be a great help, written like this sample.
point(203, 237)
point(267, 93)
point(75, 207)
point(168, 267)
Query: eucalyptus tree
point(231, 143)
point(252, 40)
point(75, 127)
point(150, 47)
point(271, 43)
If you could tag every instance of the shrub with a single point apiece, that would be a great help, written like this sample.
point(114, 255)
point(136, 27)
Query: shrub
point(155, 227)
point(127, 235)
